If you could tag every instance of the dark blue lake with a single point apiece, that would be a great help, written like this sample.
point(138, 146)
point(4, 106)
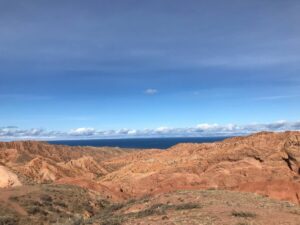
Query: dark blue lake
point(161, 143)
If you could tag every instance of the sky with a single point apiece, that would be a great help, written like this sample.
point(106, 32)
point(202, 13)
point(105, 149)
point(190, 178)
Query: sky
point(130, 68)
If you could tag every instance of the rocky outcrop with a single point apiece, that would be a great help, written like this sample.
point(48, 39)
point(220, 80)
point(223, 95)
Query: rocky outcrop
point(43, 170)
point(85, 166)
point(292, 152)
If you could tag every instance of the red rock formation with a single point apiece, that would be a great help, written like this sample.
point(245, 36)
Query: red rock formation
point(257, 163)
point(264, 163)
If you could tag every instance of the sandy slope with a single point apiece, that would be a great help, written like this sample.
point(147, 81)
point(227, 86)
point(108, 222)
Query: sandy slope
point(8, 178)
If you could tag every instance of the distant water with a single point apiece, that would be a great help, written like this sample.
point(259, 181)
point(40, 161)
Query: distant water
point(161, 143)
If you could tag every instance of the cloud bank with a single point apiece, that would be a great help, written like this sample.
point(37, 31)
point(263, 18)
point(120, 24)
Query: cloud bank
point(200, 130)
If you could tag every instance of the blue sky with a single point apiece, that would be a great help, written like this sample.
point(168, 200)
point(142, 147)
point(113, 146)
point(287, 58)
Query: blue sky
point(124, 65)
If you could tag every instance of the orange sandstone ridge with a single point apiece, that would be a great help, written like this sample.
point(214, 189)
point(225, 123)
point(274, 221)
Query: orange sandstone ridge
point(265, 163)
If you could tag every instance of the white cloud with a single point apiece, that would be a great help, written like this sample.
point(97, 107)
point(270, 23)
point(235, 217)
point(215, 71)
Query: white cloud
point(162, 129)
point(151, 91)
point(206, 126)
point(83, 132)
point(204, 130)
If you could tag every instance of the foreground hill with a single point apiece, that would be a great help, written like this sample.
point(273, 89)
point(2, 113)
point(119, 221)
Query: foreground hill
point(71, 205)
point(265, 163)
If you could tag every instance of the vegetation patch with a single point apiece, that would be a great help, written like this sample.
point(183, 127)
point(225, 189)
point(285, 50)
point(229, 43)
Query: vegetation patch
point(187, 206)
point(160, 209)
point(242, 223)
point(157, 209)
point(243, 214)
point(113, 221)
point(8, 220)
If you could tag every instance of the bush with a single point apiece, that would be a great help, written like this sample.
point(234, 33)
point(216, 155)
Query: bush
point(116, 207)
point(157, 209)
point(112, 221)
point(187, 206)
point(46, 198)
point(243, 214)
point(33, 210)
point(8, 220)
point(61, 204)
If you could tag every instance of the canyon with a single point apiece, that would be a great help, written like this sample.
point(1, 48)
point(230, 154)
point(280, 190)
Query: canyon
point(264, 165)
